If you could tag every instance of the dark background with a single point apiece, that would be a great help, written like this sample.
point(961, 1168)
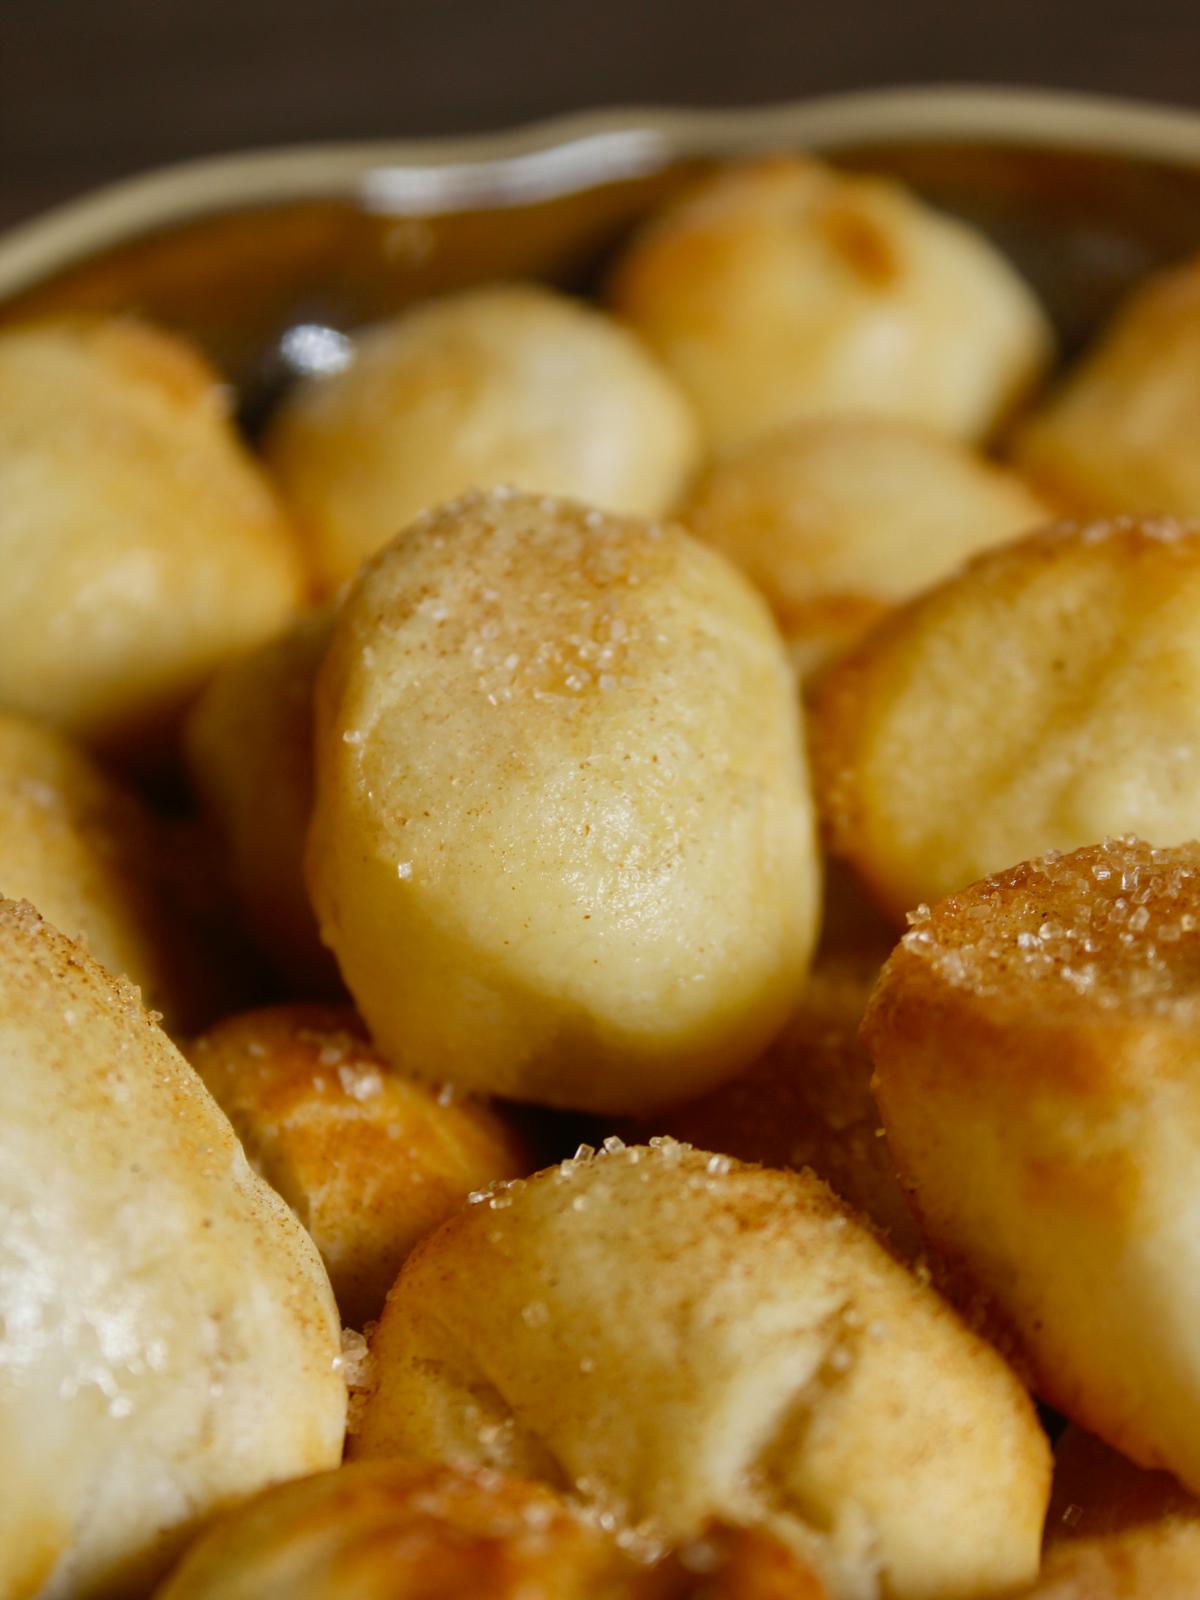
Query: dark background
point(95, 89)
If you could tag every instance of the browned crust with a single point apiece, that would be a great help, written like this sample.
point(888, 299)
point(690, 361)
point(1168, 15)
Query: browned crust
point(370, 1159)
point(418, 1532)
point(937, 1038)
point(841, 700)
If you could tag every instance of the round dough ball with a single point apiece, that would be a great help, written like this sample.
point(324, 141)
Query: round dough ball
point(509, 384)
point(808, 1103)
point(392, 1530)
point(92, 859)
point(140, 545)
point(677, 1336)
point(1119, 435)
point(368, 1160)
point(563, 843)
point(249, 748)
point(780, 289)
point(1036, 1042)
point(168, 1339)
point(1045, 697)
point(838, 520)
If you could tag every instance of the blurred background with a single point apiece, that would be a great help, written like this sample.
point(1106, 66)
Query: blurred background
point(96, 89)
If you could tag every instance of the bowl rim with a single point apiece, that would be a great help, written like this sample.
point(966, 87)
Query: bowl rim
point(538, 160)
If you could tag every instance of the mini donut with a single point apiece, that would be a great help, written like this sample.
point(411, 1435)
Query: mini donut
point(93, 860)
point(838, 520)
point(510, 383)
point(778, 290)
point(563, 845)
point(1118, 435)
point(1043, 698)
point(141, 546)
point(168, 1339)
point(368, 1160)
point(248, 743)
point(808, 1103)
point(1038, 1072)
point(675, 1336)
point(392, 1530)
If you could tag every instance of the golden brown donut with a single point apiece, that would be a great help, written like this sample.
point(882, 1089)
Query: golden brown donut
point(778, 290)
point(248, 743)
point(93, 860)
point(510, 383)
point(393, 1530)
point(141, 546)
point(563, 845)
point(677, 1336)
point(168, 1338)
point(1119, 434)
point(808, 1103)
point(368, 1160)
point(1038, 1071)
point(1046, 696)
point(838, 519)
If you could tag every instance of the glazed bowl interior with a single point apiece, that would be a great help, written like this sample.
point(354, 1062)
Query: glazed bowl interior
point(266, 259)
